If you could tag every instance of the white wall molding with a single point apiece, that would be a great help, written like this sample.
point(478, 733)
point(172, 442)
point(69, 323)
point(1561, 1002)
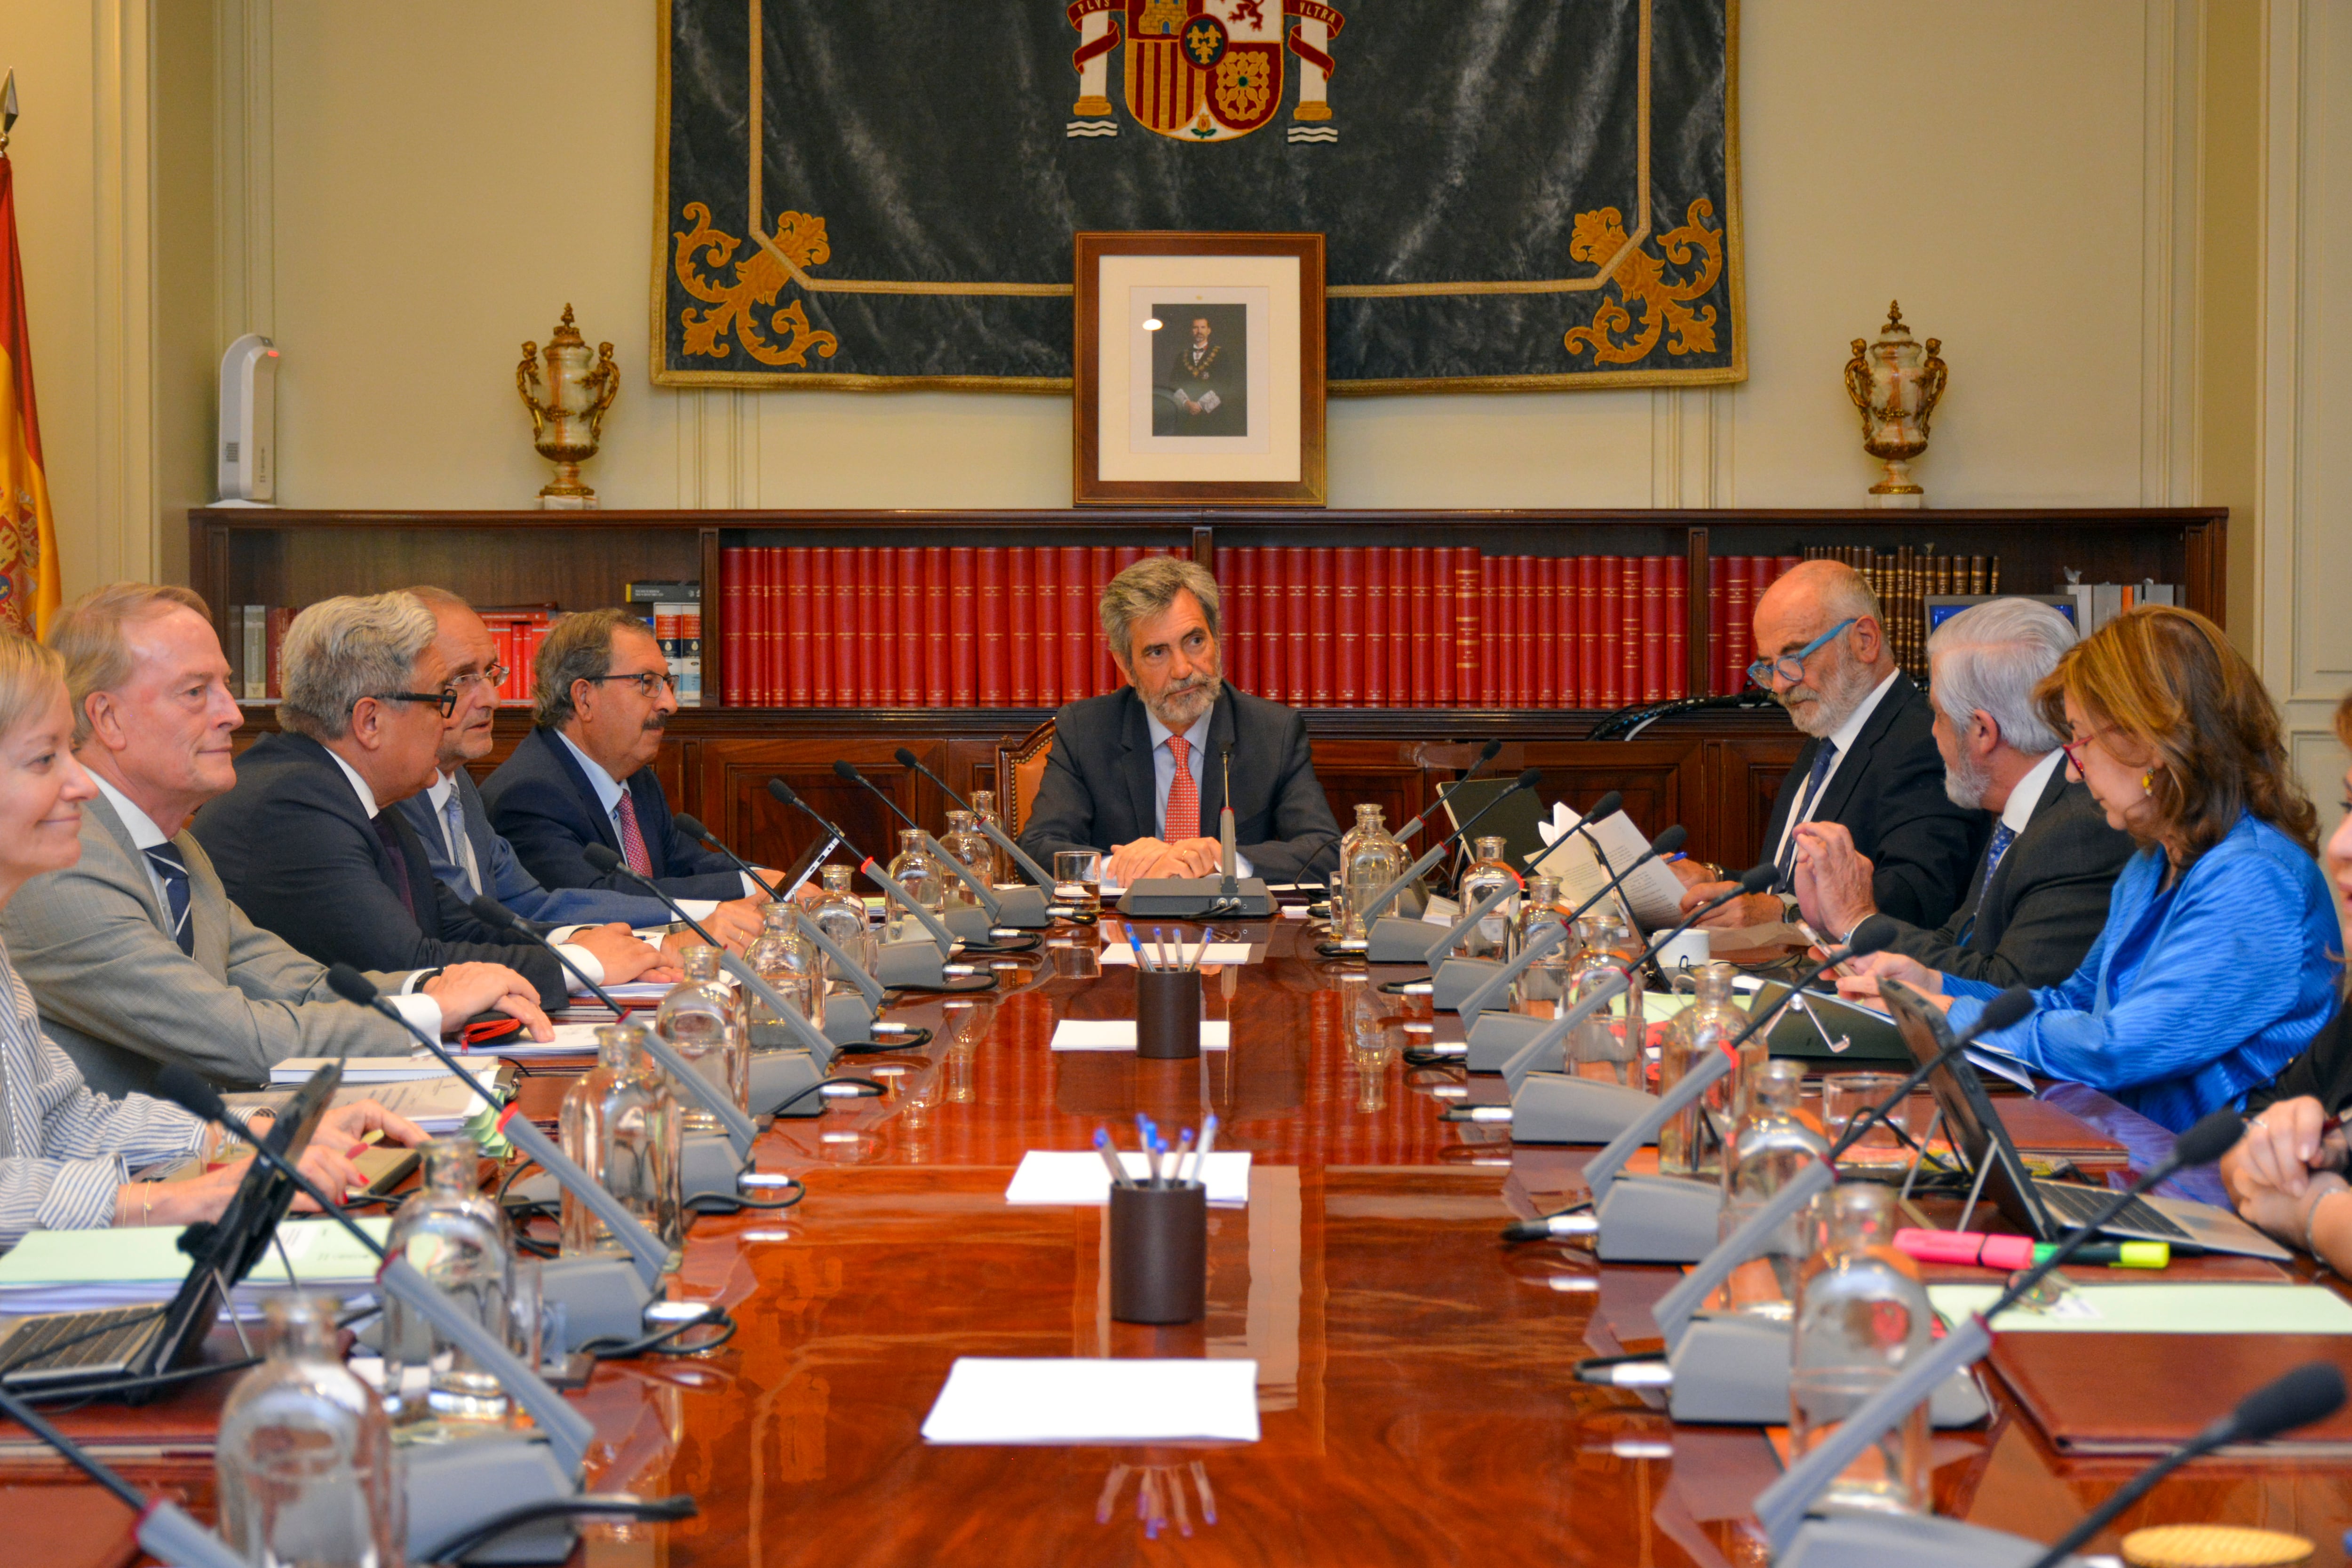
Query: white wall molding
point(243, 184)
point(2169, 187)
point(121, 536)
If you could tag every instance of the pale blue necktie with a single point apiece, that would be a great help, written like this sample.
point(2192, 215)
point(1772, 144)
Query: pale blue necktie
point(1824, 761)
point(452, 812)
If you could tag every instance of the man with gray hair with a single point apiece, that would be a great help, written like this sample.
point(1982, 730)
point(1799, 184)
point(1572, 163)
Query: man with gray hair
point(1142, 772)
point(2039, 897)
point(1870, 763)
point(308, 843)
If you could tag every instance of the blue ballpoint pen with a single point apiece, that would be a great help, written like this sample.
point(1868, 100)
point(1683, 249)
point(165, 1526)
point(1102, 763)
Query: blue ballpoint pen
point(1137, 943)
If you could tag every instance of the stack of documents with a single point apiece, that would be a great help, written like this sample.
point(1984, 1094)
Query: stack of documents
point(298, 1070)
point(1653, 893)
point(1118, 1033)
point(1084, 1401)
point(85, 1271)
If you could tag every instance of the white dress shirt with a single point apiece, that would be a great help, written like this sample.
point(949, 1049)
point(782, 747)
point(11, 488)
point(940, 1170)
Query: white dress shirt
point(1842, 738)
point(609, 791)
point(1163, 776)
point(2028, 793)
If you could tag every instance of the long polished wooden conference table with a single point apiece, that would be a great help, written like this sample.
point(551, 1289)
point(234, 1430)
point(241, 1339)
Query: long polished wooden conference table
point(1416, 1386)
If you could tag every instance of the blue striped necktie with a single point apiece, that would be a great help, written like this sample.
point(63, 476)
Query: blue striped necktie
point(2003, 836)
point(166, 858)
point(1824, 759)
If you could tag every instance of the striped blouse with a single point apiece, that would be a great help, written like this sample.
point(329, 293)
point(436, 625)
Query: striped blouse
point(64, 1150)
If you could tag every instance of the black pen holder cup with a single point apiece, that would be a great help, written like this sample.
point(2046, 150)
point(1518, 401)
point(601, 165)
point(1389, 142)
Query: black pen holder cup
point(1159, 1253)
point(1168, 1013)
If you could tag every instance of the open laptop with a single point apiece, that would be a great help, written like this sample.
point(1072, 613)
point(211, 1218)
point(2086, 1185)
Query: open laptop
point(117, 1348)
point(2048, 1210)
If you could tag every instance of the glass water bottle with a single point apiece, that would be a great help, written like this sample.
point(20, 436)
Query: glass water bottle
point(1607, 1044)
point(921, 876)
point(1367, 869)
point(984, 812)
point(840, 913)
point(1862, 1314)
point(456, 1238)
point(1545, 980)
point(304, 1461)
point(972, 851)
point(704, 1020)
point(1769, 1146)
point(620, 1123)
point(1691, 1144)
point(783, 956)
point(1491, 937)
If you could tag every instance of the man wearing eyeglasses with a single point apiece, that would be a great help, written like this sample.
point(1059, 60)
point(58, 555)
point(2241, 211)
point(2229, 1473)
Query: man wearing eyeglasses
point(601, 700)
point(308, 843)
point(1871, 763)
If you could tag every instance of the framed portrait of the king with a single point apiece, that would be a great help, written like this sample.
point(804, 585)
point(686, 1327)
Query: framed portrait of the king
point(1199, 374)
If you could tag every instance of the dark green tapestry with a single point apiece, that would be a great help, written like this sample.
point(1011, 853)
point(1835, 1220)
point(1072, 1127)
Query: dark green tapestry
point(1513, 193)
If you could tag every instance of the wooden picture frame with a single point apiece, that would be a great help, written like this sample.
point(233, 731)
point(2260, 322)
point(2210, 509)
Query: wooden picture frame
point(1220, 402)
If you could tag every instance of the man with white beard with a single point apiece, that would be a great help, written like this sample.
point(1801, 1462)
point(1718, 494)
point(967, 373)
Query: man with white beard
point(2039, 897)
point(1872, 767)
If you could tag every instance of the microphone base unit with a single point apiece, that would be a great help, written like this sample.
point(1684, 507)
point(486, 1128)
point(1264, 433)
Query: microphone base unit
point(848, 1021)
point(1732, 1369)
point(707, 1165)
point(1394, 941)
point(1873, 1541)
point(916, 962)
point(1658, 1219)
point(455, 1487)
point(1458, 979)
point(1496, 1037)
point(1191, 898)
point(599, 1294)
point(1023, 906)
point(1558, 1107)
point(778, 1076)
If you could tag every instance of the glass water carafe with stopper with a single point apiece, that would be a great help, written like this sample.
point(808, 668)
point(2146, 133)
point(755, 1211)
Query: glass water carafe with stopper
point(783, 956)
point(620, 1123)
point(1607, 1044)
point(841, 914)
point(1861, 1316)
point(923, 878)
point(1769, 1147)
point(456, 1238)
point(1539, 906)
point(984, 812)
point(704, 1019)
point(972, 851)
point(1691, 1143)
point(1491, 936)
point(1374, 860)
point(303, 1460)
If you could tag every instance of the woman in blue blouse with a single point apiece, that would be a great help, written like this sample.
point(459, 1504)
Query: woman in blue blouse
point(2216, 964)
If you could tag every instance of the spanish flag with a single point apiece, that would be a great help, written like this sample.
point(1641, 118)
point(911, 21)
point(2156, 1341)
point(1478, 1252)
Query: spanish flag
point(28, 540)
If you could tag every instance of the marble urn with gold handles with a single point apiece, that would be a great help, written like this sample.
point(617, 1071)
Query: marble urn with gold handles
point(568, 426)
point(1895, 383)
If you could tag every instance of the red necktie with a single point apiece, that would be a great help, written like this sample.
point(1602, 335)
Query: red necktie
point(633, 843)
point(1184, 796)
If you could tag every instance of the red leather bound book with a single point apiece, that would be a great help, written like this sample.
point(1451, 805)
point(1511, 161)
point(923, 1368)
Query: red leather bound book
point(1469, 617)
point(1423, 601)
point(743, 670)
point(1273, 655)
point(935, 625)
point(842, 623)
point(1718, 637)
point(1348, 612)
point(1576, 630)
point(1078, 610)
point(1123, 556)
point(1494, 579)
point(902, 623)
point(734, 589)
point(1237, 581)
point(1739, 619)
point(1444, 629)
point(963, 625)
point(1653, 628)
point(1020, 623)
point(784, 674)
point(1100, 567)
point(877, 671)
point(993, 674)
point(1322, 627)
point(1298, 615)
point(1547, 631)
point(1629, 629)
point(1374, 690)
point(1522, 633)
point(812, 613)
point(1399, 654)
point(1047, 591)
point(1677, 627)
point(1226, 570)
point(1608, 570)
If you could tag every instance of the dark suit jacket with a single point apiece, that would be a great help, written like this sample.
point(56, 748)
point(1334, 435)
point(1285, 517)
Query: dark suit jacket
point(299, 855)
point(1889, 793)
point(1098, 791)
point(2047, 904)
point(541, 803)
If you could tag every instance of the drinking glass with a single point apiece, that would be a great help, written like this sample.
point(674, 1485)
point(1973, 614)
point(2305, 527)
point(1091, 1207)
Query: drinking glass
point(1078, 879)
point(1846, 1095)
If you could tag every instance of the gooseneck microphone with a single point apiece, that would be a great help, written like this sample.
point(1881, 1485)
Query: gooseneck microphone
point(1864, 939)
point(982, 932)
point(2312, 1392)
point(1781, 1507)
point(1486, 753)
point(692, 827)
point(2014, 1006)
point(901, 967)
point(1667, 841)
point(1035, 873)
point(1382, 900)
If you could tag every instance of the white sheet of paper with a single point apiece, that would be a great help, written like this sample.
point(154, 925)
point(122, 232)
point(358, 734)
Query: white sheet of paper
point(1118, 1033)
point(1654, 893)
point(1215, 952)
point(571, 1039)
point(1087, 1401)
point(631, 991)
point(1081, 1179)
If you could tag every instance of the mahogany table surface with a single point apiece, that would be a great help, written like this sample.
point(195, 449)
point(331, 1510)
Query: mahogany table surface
point(1416, 1387)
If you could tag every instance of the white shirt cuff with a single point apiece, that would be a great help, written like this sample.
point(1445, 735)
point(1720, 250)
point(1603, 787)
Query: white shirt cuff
point(698, 909)
point(751, 889)
point(1241, 865)
point(563, 934)
point(585, 958)
point(420, 1010)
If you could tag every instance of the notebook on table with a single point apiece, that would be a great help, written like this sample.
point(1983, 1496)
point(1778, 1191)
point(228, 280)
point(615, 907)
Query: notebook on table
point(2124, 1395)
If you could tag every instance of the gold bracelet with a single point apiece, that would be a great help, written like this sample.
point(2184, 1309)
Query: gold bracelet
point(146, 1205)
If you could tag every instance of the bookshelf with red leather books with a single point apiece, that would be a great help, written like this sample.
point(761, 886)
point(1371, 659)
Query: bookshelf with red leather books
point(1408, 637)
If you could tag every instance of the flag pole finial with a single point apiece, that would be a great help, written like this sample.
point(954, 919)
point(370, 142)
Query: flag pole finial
point(7, 110)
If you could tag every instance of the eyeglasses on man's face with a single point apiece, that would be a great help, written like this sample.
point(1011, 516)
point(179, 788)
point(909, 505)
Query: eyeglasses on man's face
point(492, 678)
point(647, 681)
point(1790, 666)
point(445, 700)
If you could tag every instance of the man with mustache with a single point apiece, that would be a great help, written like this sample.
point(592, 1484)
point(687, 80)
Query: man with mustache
point(1871, 765)
point(1139, 772)
point(601, 696)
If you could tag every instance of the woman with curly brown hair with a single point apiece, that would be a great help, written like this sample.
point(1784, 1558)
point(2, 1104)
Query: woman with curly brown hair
point(2217, 966)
